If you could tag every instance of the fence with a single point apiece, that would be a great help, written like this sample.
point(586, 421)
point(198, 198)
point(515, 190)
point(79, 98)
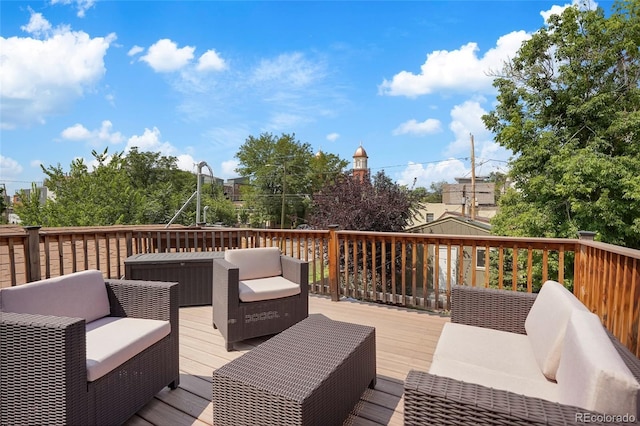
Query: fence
point(415, 270)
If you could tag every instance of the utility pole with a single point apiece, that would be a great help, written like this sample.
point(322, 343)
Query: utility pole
point(284, 191)
point(473, 181)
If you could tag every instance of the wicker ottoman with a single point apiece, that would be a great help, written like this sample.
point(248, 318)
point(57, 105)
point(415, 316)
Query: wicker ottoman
point(310, 374)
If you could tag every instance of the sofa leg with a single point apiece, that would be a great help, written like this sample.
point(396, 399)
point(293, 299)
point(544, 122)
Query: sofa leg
point(174, 385)
point(215, 327)
point(229, 346)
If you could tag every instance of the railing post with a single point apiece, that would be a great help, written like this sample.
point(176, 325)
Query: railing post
point(33, 253)
point(586, 235)
point(334, 263)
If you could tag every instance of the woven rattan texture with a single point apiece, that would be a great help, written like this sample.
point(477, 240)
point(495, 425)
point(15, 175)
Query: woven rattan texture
point(43, 376)
point(486, 307)
point(193, 270)
point(435, 400)
point(312, 374)
point(42, 358)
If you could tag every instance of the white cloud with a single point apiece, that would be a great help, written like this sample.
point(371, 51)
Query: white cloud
point(38, 25)
point(9, 167)
point(557, 10)
point(77, 132)
point(97, 137)
point(135, 50)
point(150, 141)
point(466, 119)
point(229, 168)
point(412, 127)
point(292, 69)
point(165, 56)
point(284, 121)
point(186, 162)
point(211, 61)
point(82, 5)
point(458, 70)
point(332, 137)
point(39, 78)
point(424, 175)
point(36, 163)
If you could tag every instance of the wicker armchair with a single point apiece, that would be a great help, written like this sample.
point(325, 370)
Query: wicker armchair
point(239, 320)
point(438, 400)
point(44, 365)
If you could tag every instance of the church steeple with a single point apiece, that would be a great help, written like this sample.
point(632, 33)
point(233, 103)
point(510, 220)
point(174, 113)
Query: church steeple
point(360, 167)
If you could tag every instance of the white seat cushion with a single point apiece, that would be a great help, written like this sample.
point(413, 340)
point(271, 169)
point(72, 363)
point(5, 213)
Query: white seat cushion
point(546, 324)
point(267, 289)
point(592, 375)
point(469, 354)
point(254, 263)
point(111, 341)
point(78, 295)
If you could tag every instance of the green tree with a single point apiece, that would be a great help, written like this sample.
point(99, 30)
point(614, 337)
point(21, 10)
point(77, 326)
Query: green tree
point(103, 196)
point(141, 187)
point(431, 195)
point(283, 173)
point(162, 186)
point(568, 107)
point(29, 209)
point(3, 204)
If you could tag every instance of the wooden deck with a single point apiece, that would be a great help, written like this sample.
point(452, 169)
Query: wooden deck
point(405, 339)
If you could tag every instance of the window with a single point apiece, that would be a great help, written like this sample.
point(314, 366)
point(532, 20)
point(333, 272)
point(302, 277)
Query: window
point(480, 255)
point(428, 217)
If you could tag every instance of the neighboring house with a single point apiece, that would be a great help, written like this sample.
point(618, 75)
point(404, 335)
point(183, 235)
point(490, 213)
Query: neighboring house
point(233, 188)
point(45, 194)
point(428, 212)
point(462, 192)
point(452, 223)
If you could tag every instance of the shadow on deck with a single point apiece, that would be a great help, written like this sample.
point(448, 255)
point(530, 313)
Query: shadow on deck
point(405, 339)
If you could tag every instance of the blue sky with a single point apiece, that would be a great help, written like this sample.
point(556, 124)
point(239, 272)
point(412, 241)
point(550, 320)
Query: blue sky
point(193, 79)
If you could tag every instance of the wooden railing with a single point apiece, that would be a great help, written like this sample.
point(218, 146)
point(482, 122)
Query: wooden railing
point(415, 270)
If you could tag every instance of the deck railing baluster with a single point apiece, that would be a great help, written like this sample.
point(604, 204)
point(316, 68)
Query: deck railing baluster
point(366, 265)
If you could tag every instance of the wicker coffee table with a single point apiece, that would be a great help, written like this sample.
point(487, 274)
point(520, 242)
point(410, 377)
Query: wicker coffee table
point(310, 374)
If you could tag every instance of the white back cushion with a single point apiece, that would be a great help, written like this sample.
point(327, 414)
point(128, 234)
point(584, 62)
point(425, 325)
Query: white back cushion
point(78, 295)
point(254, 263)
point(592, 375)
point(546, 324)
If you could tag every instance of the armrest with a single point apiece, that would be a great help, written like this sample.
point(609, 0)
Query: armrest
point(144, 299)
point(226, 297)
point(431, 399)
point(44, 370)
point(504, 310)
point(297, 271)
point(225, 282)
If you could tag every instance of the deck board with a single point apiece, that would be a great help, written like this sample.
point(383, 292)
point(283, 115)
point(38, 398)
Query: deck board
point(405, 339)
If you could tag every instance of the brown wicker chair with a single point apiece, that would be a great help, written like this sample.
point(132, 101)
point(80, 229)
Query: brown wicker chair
point(43, 362)
point(238, 320)
point(437, 400)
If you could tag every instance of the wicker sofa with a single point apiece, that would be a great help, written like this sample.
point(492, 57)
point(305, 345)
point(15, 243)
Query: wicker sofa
point(80, 350)
point(493, 364)
point(258, 292)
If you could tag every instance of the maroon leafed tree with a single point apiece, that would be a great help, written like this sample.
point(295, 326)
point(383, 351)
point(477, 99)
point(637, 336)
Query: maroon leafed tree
point(376, 204)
